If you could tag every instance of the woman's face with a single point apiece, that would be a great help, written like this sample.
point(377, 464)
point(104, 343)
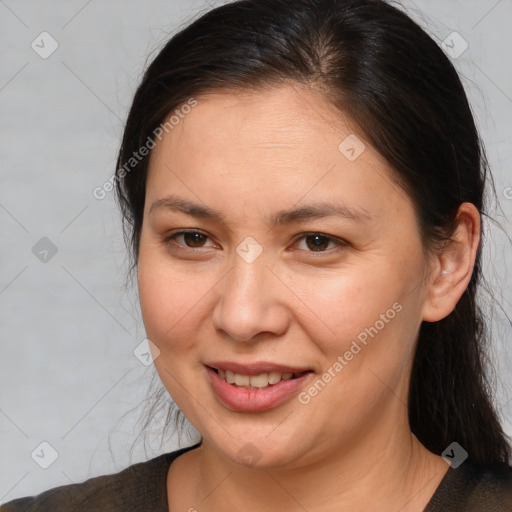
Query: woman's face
point(301, 256)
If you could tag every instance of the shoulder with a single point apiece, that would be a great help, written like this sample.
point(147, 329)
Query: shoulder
point(474, 488)
point(139, 487)
point(494, 485)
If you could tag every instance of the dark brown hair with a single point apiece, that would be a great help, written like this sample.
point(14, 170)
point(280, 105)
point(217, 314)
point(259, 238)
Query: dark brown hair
point(375, 64)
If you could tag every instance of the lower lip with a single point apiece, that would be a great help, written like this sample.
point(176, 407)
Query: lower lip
point(255, 400)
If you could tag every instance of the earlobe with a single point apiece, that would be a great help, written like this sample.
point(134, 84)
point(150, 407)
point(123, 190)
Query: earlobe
point(453, 265)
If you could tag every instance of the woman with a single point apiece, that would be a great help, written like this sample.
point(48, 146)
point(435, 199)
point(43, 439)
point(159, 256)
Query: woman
point(302, 188)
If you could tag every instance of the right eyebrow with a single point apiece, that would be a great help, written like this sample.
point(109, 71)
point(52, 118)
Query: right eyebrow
point(187, 207)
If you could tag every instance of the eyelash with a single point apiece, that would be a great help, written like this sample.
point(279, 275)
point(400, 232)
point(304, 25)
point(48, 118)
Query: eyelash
point(338, 242)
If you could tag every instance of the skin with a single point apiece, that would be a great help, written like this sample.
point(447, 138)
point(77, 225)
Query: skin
point(248, 155)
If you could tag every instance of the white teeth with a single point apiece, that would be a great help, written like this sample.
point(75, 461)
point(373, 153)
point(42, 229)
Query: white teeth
point(259, 381)
point(241, 380)
point(255, 381)
point(274, 377)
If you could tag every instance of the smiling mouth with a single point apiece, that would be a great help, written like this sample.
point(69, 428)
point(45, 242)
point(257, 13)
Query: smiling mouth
point(261, 381)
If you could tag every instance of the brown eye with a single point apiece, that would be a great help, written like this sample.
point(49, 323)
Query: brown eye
point(194, 239)
point(317, 242)
point(190, 239)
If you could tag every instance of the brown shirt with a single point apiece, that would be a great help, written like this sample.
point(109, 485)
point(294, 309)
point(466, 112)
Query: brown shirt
point(143, 487)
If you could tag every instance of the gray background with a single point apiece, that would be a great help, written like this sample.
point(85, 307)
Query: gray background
point(68, 328)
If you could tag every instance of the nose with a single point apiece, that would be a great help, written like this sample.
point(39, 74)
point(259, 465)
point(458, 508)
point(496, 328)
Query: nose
point(251, 301)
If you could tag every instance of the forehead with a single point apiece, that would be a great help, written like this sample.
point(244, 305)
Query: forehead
point(290, 115)
point(276, 145)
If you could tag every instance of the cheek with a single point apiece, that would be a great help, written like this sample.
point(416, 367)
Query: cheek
point(170, 300)
point(373, 313)
point(342, 306)
point(376, 320)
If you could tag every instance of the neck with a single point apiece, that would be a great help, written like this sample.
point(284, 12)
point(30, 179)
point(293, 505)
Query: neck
point(400, 474)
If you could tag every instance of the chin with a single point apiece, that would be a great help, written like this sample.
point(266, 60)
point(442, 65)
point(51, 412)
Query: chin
point(259, 450)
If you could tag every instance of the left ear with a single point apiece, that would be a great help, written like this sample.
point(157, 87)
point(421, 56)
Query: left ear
point(452, 267)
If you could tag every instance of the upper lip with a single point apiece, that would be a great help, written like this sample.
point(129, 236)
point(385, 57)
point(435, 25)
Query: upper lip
point(256, 368)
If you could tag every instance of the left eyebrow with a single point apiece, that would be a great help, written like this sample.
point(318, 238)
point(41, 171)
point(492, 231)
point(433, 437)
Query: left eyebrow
point(319, 211)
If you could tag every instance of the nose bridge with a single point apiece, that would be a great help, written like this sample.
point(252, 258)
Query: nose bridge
point(247, 281)
point(248, 303)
